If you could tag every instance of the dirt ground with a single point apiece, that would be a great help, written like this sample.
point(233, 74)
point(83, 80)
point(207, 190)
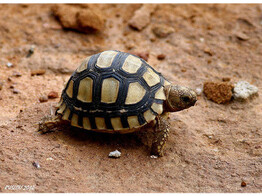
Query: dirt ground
point(212, 147)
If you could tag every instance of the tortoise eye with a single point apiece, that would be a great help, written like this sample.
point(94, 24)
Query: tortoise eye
point(185, 99)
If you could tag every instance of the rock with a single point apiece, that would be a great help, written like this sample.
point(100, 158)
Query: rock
point(219, 92)
point(89, 21)
point(1, 85)
point(162, 30)
point(199, 91)
point(53, 95)
point(242, 36)
point(9, 64)
point(9, 79)
point(36, 165)
point(115, 154)
point(141, 16)
point(38, 72)
point(12, 85)
point(243, 90)
point(16, 74)
point(16, 91)
point(208, 51)
point(243, 184)
point(84, 19)
point(143, 55)
point(161, 56)
point(31, 51)
point(153, 157)
point(43, 98)
point(183, 69)
point(226, 79)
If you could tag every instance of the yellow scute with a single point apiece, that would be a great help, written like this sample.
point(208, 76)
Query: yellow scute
point(158, 108)
point(160, 94)
point(86, 123)
point(106, 58)
point(149, 116)
point(100, 123)
point(151, 77)
point(135, 93)
point(83, 65)
point(109, 92)
point(133, 121)
point(66, 114)
point(132, 64)
point(85, 90)
point(74, 120)
point(116, 123)
point(69, 90)
point(61, 108)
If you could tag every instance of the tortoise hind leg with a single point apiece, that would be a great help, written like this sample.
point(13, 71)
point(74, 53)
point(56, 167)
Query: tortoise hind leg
point(161, 135)
point(49, 124)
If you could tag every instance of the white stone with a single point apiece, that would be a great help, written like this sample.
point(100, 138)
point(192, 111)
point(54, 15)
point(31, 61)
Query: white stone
point(153, 157)
point(9, 64)
point(243, 90)
point(115, 154)
point(199, 91)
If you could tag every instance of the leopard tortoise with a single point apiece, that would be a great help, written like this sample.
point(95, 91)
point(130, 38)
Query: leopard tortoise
point(117, 92)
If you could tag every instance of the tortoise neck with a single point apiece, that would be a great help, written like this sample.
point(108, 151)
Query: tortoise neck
point(166, 106)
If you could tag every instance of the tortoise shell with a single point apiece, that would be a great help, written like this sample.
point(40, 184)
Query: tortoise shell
point(113, 91)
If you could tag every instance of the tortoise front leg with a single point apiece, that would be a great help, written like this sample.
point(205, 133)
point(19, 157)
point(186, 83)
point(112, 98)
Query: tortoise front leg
point(161, 135)
point(49, 124)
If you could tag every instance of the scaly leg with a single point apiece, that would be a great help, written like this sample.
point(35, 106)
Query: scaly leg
point(49, 124)
point(161, 135)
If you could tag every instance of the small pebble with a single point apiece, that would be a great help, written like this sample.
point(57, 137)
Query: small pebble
point(16, 74)
point(242, 36)
point(199, 91)
point(9, 64)
point(161, 56)
point(31, 51)
point(115, 154)
point(43, 98)
point(36, 165)
point(16, 91)
point(162, 30)
point(208, 51)
point(38, 72)
point(1, 85)
point(201, 39)
point(226, 79)
point(12, 85)
point(183, 69)
point(143, 55)
point(53, 95)
point(243, 90)
point(243, 184)
point(49, 159)
point(153, 157)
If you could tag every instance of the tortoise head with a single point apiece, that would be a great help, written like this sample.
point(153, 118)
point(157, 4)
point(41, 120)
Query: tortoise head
point(179, 98)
